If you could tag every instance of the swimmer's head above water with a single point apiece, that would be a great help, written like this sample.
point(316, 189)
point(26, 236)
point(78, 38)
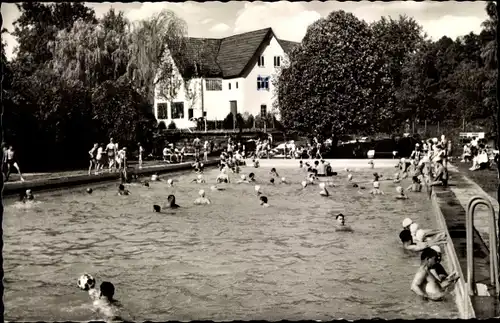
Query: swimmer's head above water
point(107, 290)
point(271, 180)
point(304, 184)
point(263, 201)
point(171, 201)
point(406, 223)
point(251, 176)
point(156, 208)
point(340, 219)
point(201, 193)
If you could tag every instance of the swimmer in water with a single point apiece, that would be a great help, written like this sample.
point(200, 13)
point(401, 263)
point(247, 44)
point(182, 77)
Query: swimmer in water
point(257, 190)
point(425, 283)
point(401, 193)
point(157, 208)
point(256, 163)
point(170, 182)
point(216, 188)
point(415, 186)
point(27, 196)
point(349, 177)
point(271, 181)
point(251, 177)
point(371, 163)
point(310, 179)
point(171, 202)
point(243, 180)
point(199, 179)
point(407, 239)
point(89, 190)
point(263, 201)
point(341, 226)
point(396, 178)
point(304, 184)
point(273, 172)
point(155, 177)
point(324, 191)
point(438, 270)
point(283, 180)
point(105, 306)
point(122, 190)
point(202, 199)
point(376, 189)
point(146, 183)
point(301, 164)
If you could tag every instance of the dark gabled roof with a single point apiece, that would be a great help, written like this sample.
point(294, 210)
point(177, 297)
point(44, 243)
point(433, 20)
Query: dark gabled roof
point(227, 57)
point(287, 45)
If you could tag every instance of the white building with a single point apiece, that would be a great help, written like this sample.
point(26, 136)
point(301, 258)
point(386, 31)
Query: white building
point(231, 74)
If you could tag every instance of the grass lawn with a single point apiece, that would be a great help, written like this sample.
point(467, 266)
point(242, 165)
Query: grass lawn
point(486, 179)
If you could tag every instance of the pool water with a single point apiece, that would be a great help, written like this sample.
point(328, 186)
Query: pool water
point(231, 260)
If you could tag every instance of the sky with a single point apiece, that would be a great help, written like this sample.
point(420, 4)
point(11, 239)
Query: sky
point(289, 20)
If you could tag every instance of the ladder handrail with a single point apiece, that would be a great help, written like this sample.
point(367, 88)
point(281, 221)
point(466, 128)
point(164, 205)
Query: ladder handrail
point(471, 207)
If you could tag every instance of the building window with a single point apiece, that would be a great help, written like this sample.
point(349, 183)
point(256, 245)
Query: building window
point(263, 110)
point(262, 83)
point(162, 109)
point(261, 61)
point(177, 110)
point(214, 85)
point(229, 85)
point(190, 113)
point(277, 61)
point(236, 84)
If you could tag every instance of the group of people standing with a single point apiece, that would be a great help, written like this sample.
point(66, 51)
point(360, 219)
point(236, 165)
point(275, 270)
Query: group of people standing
point(110, 156)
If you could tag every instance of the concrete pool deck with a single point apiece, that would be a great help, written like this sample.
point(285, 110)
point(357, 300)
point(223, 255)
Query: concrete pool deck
point(48, 181)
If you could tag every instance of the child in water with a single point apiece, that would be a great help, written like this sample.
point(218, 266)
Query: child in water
point(202, 199)
point(105, 305)
point(256, 163)
point(122, 190)
point(401, 193)
point(376, 189)
point(341, 226)
point(415, 186)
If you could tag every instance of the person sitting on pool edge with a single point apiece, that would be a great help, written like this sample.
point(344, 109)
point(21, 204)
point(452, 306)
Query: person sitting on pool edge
point(441, 178)
point(263, 201)
point(425, 283)
point(415, 186)
point(202, 199)
point(122, 190)
point(341, 226)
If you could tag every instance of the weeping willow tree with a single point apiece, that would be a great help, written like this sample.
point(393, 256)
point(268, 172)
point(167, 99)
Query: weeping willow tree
point(93, 53)
point(153, 42)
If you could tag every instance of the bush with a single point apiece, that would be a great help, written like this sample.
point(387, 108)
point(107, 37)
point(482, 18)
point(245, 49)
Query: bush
point(228, 122)
point(172, 125)
point(162, 125)
point(249, 120)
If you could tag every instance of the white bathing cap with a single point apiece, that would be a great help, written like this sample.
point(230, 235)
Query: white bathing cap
point(200, 177)
point(349, 176)
point(376, 184)
point(436, 249)
point(407, 222)
point(283, 179)
point(304, 183)
point(201, 192)
point(170, 181)
point(257, 188)
point(399, 189)
point(243, 177)
point(414, 228)
point(322, 185)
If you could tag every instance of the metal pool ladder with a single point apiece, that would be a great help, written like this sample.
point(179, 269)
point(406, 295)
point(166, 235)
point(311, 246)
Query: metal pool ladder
point(471, 208)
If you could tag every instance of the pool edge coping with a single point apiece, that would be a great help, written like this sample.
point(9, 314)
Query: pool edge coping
point(62, 182)
point(462, 298)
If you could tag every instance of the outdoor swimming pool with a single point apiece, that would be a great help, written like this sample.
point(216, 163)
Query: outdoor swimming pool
point(232, 260)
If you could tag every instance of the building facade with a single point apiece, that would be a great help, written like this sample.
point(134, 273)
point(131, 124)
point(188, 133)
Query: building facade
point(214, 77)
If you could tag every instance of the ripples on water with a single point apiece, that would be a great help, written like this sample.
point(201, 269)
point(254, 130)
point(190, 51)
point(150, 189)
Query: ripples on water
point(227, 261)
